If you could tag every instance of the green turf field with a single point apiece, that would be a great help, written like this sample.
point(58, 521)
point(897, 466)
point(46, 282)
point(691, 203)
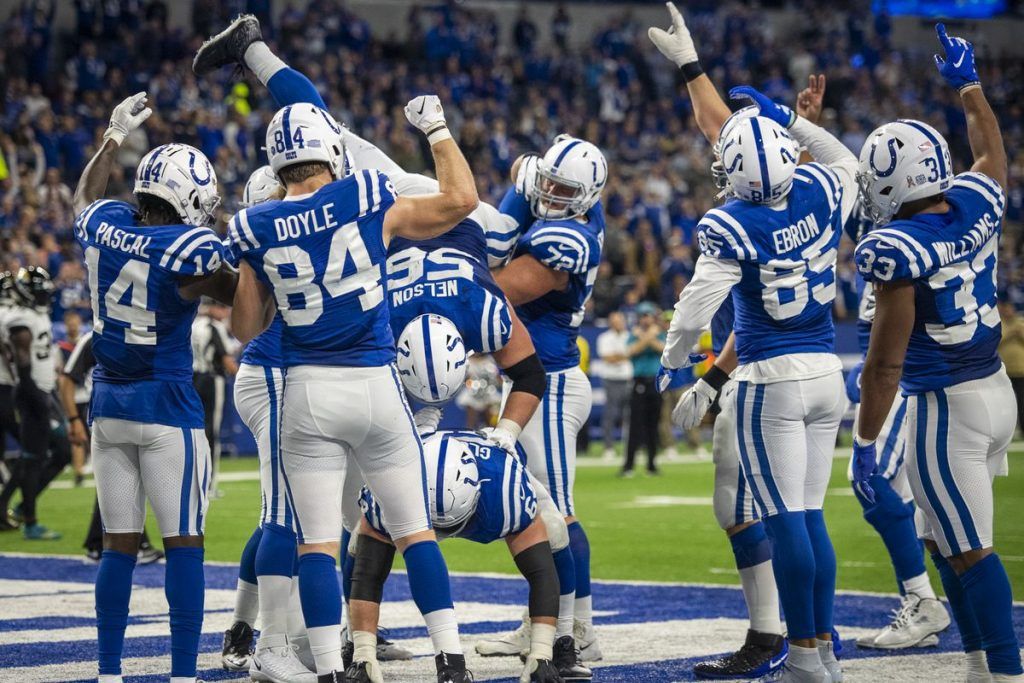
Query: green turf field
point(646, 528)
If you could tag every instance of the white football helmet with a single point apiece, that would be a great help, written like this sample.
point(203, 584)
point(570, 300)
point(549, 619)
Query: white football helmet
point(262, 185)
point(453, 480)
point(183, 177)
point(432, 359)
point(569, 179)
point(717, 169)
point(759, 157)
point(304, 132)
point(900, 162)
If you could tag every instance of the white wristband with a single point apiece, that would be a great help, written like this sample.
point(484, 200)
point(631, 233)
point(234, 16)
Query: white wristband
point(439, 135)
point(862, 442)
point(116, 135)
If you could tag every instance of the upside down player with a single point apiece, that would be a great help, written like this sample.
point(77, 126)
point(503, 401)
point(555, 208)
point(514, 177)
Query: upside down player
point(931, 260)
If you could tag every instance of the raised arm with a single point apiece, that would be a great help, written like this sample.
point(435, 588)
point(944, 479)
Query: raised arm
point(126, 117)
point(709, 109)
point(986, 140)
point(427, 216)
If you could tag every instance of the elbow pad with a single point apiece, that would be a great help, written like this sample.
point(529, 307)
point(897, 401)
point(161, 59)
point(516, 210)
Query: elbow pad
point(538, 567)
point(528, 375)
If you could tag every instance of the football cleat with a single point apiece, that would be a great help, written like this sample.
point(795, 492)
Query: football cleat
point(279, 665)
point(348, 651)
point(513, 644)
point(360, 672)
point(567, 661)
point(15, 514)
point(915, 624)
point(236, 652)
point(338, 677)
point(762, 654)
point(791, 674)
point(302, 651)
point(586, 639)
point(38, 532)
point(826, 650)
point(388, 651)
point(452, 669)
point(8, 524)
point(540, 671)
point(149, 555)
point(228, 46)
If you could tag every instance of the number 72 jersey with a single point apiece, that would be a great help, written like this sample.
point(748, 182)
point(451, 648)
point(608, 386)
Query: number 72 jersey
point(141, 324)
point(322, 257)
point(951, 259)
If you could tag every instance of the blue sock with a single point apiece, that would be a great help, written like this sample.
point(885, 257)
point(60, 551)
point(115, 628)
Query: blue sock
point(185, 586)
point(795, 574)
point(113, 593)
point(348, 563)
point(893, 519)
point(751, 546)
point(318, 590)
point(289, 86)
point(428, 577)
point(580, 545)
point(566, 567)
point(276, 554)
point(247, 564)
point(988, 590)
point(963, 613)
point(824, 570)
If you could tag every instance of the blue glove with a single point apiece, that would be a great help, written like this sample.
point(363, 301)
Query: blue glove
point(779, 113)
point(958, 67)
point(853, 383)
point(669, 378)
point(865, 464)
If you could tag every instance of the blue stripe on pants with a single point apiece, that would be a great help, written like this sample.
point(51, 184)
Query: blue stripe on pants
point(186, 482)
point(894, 435)
point(762, 452)
point(948, 482)
point(741, 405)
point(926, 479)
point(548, 455)
point(202, 495)
point(563, 458)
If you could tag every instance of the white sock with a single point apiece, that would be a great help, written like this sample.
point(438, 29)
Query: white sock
point(275, 600)
point(542, 641)
point(262, 62)
point(565, 614)
point(444, 631)
point(296, 622)
point(826, 650)
point(762, 597)
point(976, 662)
point(325, 644)
point(920, 585)
point(805, 658)
point(247, 602)
point(583, 610)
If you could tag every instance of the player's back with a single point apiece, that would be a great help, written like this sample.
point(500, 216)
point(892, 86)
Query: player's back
point(952, 259)
point(322, 256)
point(787, 257)
point(554, 319)
point(141, 323)
point(37, 322)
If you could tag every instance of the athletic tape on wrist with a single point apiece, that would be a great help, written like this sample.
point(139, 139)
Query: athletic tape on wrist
point(437, 135)
point(691, 71)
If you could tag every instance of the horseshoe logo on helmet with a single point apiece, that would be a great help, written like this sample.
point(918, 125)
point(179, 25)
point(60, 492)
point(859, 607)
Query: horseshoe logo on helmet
point(192, 170)
point(892, 159)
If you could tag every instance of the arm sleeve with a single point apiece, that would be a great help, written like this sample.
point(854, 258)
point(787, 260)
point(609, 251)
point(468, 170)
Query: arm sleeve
point(712, 281)
point(829, 151)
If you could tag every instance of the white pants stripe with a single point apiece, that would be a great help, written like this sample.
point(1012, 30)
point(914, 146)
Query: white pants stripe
point(259, 394)
point(733, 502)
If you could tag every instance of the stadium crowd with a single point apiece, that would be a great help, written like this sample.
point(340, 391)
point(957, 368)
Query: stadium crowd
point(505, 93)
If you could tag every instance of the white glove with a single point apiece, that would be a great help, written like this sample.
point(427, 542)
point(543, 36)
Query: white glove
point(694, 405)
point(427, 419)
point(675, 43)
point(425, 112)
point(526, 175)
point(127, 116)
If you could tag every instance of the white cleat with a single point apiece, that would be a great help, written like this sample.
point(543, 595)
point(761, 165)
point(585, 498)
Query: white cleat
point(791, 674)
point(586, 641)
point(826, 650)
point(916, 623)
point(511, 644)
point(279, 665)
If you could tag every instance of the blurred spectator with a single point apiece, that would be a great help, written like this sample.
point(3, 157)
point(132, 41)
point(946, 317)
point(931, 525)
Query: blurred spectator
point(646, 343)
point(616, 375)
point(1011, 350)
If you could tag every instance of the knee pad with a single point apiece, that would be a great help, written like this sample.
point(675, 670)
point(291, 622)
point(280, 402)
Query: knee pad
point(554, 523)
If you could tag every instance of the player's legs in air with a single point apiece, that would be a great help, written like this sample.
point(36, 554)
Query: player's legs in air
point(765, 647)
point(169, 467)
point(786, 435)
point(921, 615)
point(957, 440)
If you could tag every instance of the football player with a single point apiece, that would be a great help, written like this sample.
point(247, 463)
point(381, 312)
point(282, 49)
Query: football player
point(148, 267)
point(317, 256)
point(764, 649)
point(8, 416)
point(556, 200)
point(773, 247)
point(482, 492)
point(931, 260)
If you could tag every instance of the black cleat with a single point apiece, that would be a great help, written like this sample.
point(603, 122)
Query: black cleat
point(8, 524)
point(761, 654)
point(348, 651)
point(338, 677)
point(228, 46)
point(546, 672)
point(567, 660)
point(452, 669)
point(236, 653)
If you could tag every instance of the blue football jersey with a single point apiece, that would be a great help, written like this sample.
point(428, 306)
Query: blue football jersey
point(554, 319)
point(449, 276)
point(265, 349)
point(951, 258)
point(142, 326)
point(507, 503)
point(721, 325)
point(322, 256)
point(787, 258)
